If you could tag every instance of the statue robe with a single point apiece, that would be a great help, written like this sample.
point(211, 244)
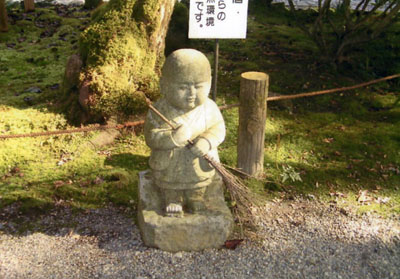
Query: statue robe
point(173, 166)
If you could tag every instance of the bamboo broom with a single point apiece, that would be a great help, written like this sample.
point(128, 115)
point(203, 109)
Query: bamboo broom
point(244, 201)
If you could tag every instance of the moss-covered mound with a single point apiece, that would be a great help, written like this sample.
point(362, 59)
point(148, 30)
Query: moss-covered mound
point(122, 51)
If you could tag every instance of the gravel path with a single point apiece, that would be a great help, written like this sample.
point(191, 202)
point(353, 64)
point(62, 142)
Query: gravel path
point(299, 239)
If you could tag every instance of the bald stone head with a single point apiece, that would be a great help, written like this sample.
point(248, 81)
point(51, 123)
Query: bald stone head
point(186, 79)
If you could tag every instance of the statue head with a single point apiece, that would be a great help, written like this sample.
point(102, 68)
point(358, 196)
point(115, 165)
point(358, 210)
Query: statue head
point(186, 79)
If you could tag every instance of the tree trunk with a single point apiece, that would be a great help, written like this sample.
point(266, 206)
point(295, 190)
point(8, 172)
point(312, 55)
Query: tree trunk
point(252, 116)
point(3, 16)
point(92, 4)
point(29, 5)
point(122, 53)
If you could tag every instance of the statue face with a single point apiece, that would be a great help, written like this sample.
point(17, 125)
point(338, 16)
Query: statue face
point(186, 79)
point(188, 93)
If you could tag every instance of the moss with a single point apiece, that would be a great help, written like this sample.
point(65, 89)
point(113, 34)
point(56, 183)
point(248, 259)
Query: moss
point(121, 63)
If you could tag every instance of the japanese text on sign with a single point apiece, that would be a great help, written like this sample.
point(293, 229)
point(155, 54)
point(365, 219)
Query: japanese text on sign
point(218, 19)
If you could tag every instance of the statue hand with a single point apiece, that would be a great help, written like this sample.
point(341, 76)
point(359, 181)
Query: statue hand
point(201, 147)
point(181, 135)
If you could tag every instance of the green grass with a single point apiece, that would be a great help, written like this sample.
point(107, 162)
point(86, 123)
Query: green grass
point(338, 144)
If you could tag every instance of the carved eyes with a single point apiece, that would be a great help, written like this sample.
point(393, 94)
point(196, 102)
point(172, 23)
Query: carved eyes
point(188, 87)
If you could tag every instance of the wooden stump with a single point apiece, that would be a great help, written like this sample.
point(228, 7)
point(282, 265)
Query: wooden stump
point(29, 5)
point(3, 17)
point(252, 116)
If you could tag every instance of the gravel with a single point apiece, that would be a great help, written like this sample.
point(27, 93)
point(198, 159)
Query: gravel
point(297, 239)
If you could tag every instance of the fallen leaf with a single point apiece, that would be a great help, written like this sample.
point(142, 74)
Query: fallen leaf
point(232, 244)
point(84, 183)
point(383, 200)
point(344, 211)
point(276, 200)
point(21, 39)
point(337, 194)
point(15, 170)
point(58, 183)
point(363, 197)
point(328, 140)
point(98, 180)
point(107, 153)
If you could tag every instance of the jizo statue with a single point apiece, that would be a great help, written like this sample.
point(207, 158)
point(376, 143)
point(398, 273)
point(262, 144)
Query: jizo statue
point(178, 168)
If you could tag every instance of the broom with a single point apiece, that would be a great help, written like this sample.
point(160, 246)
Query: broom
point(243, 200)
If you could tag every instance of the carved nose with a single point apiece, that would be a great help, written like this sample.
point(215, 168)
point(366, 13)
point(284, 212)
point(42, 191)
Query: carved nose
point(192, 91)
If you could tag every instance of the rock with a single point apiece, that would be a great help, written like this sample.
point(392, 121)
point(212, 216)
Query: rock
point(192, 232)
point(33, 90)
point(84, 95)
point(29, 100)
point(55, 86)
point(72, 70)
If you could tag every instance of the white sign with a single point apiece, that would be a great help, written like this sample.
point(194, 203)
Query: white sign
point(218, 19)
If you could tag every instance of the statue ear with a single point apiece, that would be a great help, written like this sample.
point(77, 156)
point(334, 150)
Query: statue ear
point(209, 86)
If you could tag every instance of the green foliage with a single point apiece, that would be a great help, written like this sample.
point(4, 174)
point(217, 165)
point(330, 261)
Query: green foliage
point(289, 172)
point(337, 31)
point(381, 55)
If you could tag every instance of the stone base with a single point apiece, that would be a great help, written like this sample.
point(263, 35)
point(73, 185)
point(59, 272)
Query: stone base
point(193, 232)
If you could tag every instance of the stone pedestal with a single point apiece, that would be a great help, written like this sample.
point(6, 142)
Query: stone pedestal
point(193, 232)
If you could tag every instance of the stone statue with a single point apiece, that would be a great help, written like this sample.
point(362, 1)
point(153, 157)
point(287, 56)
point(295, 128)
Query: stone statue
point(181, 201)
point(179, 169)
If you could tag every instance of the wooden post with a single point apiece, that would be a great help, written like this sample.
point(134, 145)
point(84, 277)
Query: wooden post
point(252, 116)
point(29, 5)
point(3, 16)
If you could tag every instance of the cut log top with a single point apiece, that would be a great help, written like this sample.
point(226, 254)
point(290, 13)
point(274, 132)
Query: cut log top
point(254, 76)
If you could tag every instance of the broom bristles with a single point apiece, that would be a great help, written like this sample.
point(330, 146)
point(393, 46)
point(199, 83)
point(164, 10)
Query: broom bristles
point(245, 201)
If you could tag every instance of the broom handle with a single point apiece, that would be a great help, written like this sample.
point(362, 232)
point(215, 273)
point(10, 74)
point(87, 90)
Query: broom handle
point(163, 117)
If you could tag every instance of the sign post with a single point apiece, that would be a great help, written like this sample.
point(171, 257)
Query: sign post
point(215, 80)
point(217, 19)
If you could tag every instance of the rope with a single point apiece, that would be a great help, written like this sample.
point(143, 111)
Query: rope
point(276, 98)
point(315, 93)
point(79, 130)
point(224, 107)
